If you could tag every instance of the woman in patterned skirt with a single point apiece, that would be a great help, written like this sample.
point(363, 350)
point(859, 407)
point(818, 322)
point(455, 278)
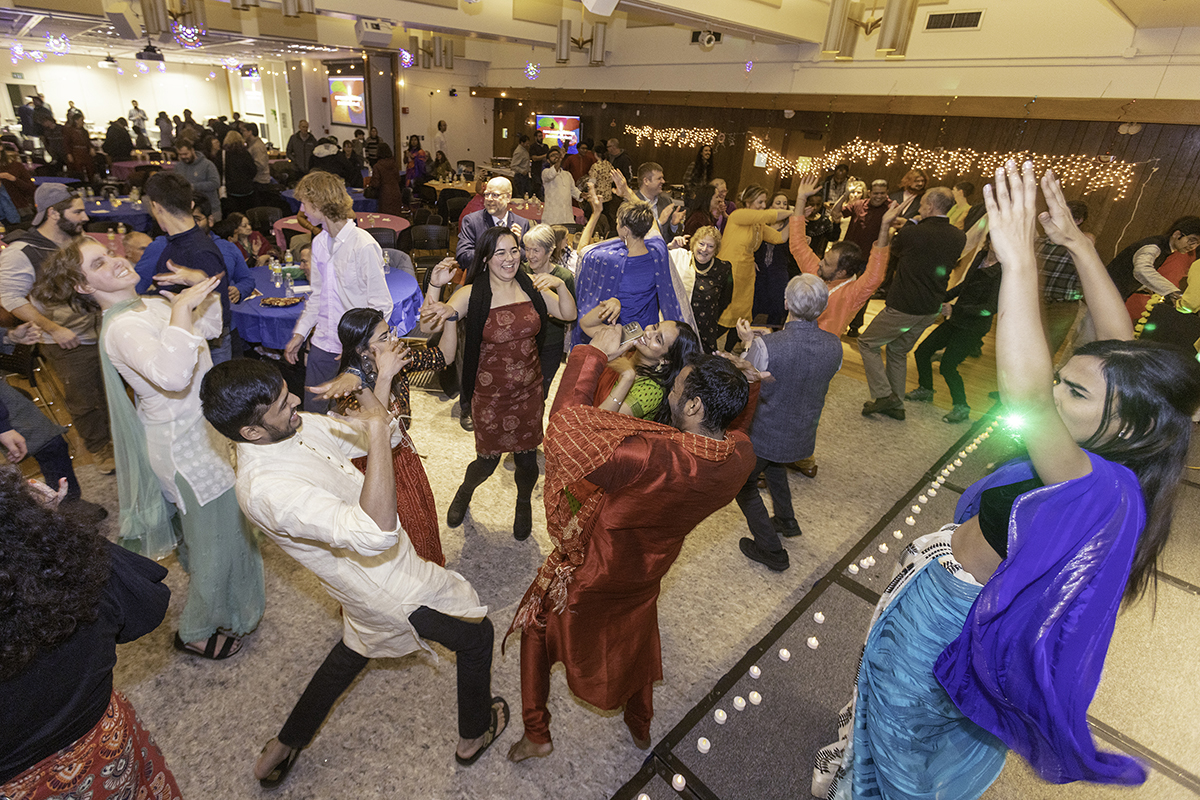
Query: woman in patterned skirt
point(70, 598)
point(507, 313)
point(374, 358)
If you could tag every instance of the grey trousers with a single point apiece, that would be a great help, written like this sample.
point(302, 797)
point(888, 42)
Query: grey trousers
point(898, 332)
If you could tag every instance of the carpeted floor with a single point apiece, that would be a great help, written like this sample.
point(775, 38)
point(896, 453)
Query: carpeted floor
point(393, 734)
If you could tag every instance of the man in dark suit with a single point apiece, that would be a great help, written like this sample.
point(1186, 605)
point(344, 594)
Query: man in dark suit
point(496, 196)
point(923, 255)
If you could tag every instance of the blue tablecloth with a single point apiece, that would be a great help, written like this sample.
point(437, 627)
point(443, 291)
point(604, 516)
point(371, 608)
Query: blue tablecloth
point(273, 326)
point(135, 216)
point(40, 179)
point(360, 203)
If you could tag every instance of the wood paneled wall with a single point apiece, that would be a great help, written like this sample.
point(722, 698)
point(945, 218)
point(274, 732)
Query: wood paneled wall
point(1168, 188)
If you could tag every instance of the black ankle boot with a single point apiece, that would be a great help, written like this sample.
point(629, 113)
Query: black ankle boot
point(523, 520)
point(458, 507)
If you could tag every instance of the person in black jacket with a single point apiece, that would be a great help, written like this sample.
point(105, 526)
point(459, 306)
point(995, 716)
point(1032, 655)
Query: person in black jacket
point(117, 143)
point(924, 255)
point(967, 322)
point(328, 157)
point(71, 597)
point(239, 172)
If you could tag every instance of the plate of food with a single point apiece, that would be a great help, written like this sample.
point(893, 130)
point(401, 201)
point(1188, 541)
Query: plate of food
point(280, 302)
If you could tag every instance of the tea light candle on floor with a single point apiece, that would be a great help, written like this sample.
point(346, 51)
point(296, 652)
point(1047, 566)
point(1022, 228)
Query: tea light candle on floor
point(897, 535)
point(813, 644)
point(853, 570)
point(739, 703)
point(755, 672)
point(720, 716)
point(883, 548)
point(678, 782)
point(784, 654)
point(703, 744)
point(755, 698)
point(818, 618)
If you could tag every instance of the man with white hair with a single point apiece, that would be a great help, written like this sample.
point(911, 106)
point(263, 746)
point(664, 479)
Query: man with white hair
point(495, 212)
point(802, 359)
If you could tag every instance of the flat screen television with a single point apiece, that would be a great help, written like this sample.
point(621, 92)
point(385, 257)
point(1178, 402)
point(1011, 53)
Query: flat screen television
point(559, 130)
point(347, 100)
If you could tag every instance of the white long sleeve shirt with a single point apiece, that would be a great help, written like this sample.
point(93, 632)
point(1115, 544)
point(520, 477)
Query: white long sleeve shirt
point(560, 190)
point(347, 272)
point(164, 365)
point(303, 492)
point(1147, 275)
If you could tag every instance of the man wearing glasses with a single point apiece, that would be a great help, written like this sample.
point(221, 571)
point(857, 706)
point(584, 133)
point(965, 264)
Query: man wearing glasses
point(495, 212)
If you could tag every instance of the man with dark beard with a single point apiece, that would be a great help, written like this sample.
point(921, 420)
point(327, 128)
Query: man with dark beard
point(296, 483)
point(68, 335)
point(621, 496)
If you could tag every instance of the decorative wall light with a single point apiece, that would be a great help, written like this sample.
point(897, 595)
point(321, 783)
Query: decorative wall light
point(532, 70)
point(596, 57)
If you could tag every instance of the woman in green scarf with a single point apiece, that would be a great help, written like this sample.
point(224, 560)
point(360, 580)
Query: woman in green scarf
point(173, 474)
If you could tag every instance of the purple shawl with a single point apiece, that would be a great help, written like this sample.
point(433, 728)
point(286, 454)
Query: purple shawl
point(1028, 661)
point(600, 277)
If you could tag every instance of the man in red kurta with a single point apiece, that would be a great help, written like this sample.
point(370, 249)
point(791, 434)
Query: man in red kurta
point(621, 495)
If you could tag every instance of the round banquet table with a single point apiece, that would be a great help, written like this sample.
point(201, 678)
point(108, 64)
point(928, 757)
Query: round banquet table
point(121, 170)
point(135, 216)
point(42, 179)
point(529, 209)
point(273, 326)
point(363, 220)
point(361, 203)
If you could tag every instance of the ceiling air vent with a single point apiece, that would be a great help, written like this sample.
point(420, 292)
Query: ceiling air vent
point(957, 21)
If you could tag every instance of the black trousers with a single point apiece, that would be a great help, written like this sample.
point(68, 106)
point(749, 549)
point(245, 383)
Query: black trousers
point(470, 641)
point(959, 341)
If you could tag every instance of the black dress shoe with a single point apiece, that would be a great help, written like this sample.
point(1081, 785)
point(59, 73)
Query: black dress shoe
point(786, 527)
point(458, 507)
point(777, 561)
point(891, 406)
point(523, 521)
point(467, 423)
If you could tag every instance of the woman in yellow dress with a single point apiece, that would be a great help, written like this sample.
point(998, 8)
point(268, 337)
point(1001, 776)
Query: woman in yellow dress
point(747, 228)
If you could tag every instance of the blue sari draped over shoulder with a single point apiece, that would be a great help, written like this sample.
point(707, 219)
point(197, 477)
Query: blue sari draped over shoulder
point(600, 277)
point(1028, 661)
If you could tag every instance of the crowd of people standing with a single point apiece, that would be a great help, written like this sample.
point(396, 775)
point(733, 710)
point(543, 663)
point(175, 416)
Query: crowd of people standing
point(655, 425)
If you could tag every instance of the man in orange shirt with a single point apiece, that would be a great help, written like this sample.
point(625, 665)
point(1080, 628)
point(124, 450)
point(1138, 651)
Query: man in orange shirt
point(842, 268)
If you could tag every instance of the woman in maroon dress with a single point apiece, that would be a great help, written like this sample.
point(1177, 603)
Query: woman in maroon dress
point(374, 359)
point(506, 316)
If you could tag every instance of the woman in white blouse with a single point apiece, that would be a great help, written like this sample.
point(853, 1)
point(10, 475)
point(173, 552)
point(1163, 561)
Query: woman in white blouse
point(158, 346)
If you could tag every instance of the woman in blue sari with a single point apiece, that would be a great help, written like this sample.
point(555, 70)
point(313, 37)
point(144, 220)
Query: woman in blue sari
point(992, 635)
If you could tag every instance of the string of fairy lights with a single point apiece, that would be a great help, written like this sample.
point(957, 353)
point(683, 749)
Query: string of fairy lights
point(1093, 172)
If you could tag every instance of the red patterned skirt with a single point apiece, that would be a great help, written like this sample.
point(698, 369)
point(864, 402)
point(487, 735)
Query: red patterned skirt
point(115, 759)
point(414, 501)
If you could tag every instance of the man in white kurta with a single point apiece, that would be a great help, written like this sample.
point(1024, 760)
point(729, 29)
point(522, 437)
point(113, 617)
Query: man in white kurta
point(560, 191)
point(296, 482)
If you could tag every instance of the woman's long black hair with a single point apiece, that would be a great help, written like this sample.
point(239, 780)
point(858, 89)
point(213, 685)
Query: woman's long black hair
point(1152, 391)
point(665, 371)
point(355, 329)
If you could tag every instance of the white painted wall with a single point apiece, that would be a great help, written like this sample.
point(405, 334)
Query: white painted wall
point(426, 94)
point(103, 95)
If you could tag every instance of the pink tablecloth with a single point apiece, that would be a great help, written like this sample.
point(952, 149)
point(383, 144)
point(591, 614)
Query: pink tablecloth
point(115, 243)
point(121, 170)
point(363, 220)
point(531, 210)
